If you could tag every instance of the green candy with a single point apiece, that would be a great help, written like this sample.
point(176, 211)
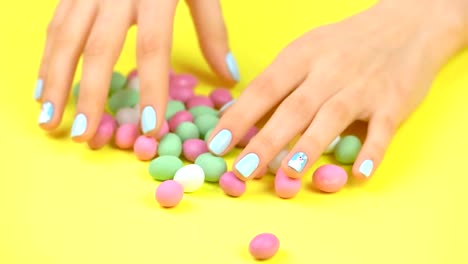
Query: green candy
point(173, 107)
point(212, 166)
point(347, 149)
point(187, 130)
point(206, 122)
point(201, 110)
point(123, 98)
point(76, 91)
point(118, 82)
point(170, 145)
point(164, 168)
point(208, 134)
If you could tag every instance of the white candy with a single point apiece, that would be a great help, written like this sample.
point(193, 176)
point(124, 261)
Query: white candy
point(191, 177)
point(134, 83)
point(127, 115)
point(331, 148)
point(225, 107)
point(275, 163)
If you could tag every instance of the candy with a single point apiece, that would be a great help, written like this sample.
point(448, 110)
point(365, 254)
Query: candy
point(104, 132)
point(182, 93)
point(213, 166)
point(170, 145)
point(331, 147)
point(286, 187)
point(134, 83)
point(192, 148)
point(347, 149)
point(199, 100)
point(164, 168)
point(127, 115)
point(329, 178)
point(179, 117)
point(191, 177)
point(208, 134)
point(118, 82)
point(205, 123)
point(275, 163)
point(169, 193)
point(173, 107)
point(223, 109)
point(126, 135)
point(231, 185)
point(123, 98)
point(145, 147)
point(220, 97)
point(201, 110)
point(264, 246)
point(163, 130)
point(132, 74)
point(247, 137)
point(187, 130)
point(182, 80)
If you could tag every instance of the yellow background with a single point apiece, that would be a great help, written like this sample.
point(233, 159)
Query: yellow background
point(63, 203)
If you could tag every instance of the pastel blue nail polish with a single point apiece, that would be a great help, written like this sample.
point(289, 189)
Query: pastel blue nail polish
point(232, 66)
point(47, 112)
point(248, 164)
point(79, 125)
point(298, 161)
point(38, 90)
point(366, 167)
point(148, 119)
point(220, 142)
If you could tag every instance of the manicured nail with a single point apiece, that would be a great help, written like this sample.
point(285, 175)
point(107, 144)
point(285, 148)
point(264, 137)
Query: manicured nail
point(148, 119)
point(298, 161)
point(79, 125)
point(47, 112)
point(232, 66)
point(248, 164)
point(38, 90)
point(225, 107)
point(366, 167)
point(220, 142)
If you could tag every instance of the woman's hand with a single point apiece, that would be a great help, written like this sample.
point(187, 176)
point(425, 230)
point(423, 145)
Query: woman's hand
point(376, 66)
point(97, 29)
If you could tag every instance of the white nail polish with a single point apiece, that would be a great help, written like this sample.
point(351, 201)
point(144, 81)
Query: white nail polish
point(366, 168)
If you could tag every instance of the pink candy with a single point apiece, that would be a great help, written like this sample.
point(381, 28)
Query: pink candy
point(286, 187)
point(247, 137)
point(183, 93)
point(145, 147)
point(264, 246)
point(169, 193)
point(220, 97)
point(199, 100)
point(329, 178)
point(231, 185)
point(183, 80)
point(104, 132)
point(132, 74)
point(193, 148)
point(126, 136)
point(179, 117)
point(163, 130)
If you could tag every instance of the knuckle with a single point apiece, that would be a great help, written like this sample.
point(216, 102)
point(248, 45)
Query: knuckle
point(298, 107)
point(264, 142)
point(389, 123)
point(150, 44)
point(264, 87)
point(338, 109)
point(96, 46)
point(312, 141)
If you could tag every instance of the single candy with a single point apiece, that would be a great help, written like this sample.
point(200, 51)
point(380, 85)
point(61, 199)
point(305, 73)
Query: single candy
point(118, 82)
point(182, 93)
point(163, 130)
point(192, 148)
point(187, 130)
point(76, 91)
point(173, 107)
point(170, 145)
point(213, 166)
point(104, 132)
point(179, 117)
point(126, 135)
point(199, 100)
point(264, 246)
point(286, 187)
point(231, 185)
point(108, 118)
point(275, 163)
point(169, 193)
point(223, 109)
point(331, 147)
point(205, 123)
point(134, 83)
point(132, 74)
point(329, 178)
point(220, 97)
point(164, 168)
point(127, 115)
point(347, 149)
point(123, 98)
point(183, 80)
point(145, 147)
point(247, 137)
point(191, 177)
point(208, 134)
point(201, 110)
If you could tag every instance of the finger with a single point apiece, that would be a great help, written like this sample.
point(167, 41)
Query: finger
point(155, 23)
point(68, 44)
point(99, 57)
point(381, 129)
point(60, 13)
point(213, 39)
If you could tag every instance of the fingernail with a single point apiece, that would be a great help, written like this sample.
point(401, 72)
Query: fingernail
point(298, 161)
point(232, 66)
point(220, 142)
point(225, 107)
point(79, 125)
point(248, 164)
point(148, 119)
point(38, 90)
point(47, 112)
point(366, 167)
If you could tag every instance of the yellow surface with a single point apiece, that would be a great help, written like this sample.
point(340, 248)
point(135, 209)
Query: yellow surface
point(62, 203)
